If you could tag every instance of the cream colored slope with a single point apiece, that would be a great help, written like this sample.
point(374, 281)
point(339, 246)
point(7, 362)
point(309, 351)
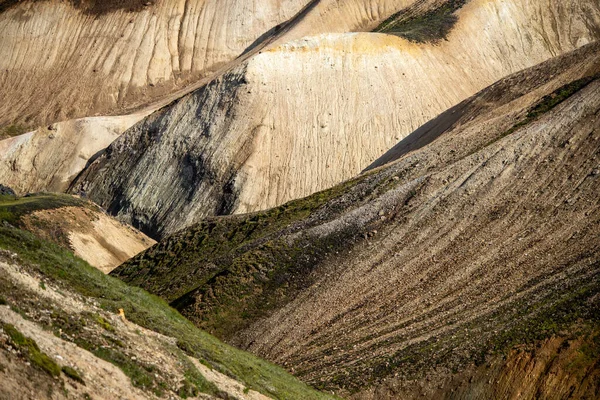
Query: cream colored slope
point(314, 112)
point(333, 104)
point(49, 158)
point(347, 99)
point(58, 62)
point(94, 236)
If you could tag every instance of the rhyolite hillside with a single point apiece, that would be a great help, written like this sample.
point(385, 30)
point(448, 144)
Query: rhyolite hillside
point(308, 114)
point(421, 275)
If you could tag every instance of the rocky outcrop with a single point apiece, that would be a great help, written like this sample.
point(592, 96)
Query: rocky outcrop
point(481, 234)
point(5, 190)
point(311, 113)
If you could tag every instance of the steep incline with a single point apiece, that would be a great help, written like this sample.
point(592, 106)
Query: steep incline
point(61, 60)
point(485, 237)
point(48, 161)
point(68, 331)
point(310, 113)
point(75, 225)
point(49, 158)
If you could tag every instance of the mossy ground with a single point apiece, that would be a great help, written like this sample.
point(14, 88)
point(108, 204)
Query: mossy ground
point(549, 102)
point(62, 268)
point(73, 374)
point(13, 130)
point(13, 208)
point(31, 350)
point(251, 270)
point(431, 26)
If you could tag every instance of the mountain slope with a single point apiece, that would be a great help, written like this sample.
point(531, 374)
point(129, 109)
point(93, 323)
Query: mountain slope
point(484, 237)
point(28, 162)
point(311, 113)
point(76, 225)
point(49, 158)
point(63, 60)
point(69, 331)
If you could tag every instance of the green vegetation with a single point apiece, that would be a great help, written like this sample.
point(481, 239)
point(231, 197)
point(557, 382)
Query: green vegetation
point(142, 376)
point(559, 95)
point(218, 240)
point(65, 270)
point(547, 103)
point(194, 382)
point(12, 208)
point(13, 130)
point(73, 374)
point(103, 323)
point(431, 26)
point(241, 266)
point(31, 350)
point(16, 211)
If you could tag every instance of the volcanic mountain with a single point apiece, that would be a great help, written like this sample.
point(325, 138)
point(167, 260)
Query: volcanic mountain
point(308, 114)
point(478, 231)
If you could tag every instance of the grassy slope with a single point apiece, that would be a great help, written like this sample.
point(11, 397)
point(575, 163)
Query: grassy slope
point(244, 266)
point(431, 26)
point(13, 209)
point(62, 267)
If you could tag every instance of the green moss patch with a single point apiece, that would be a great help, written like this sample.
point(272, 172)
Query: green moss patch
point(13, 208)
point(431, 26)
point(73, 374)
point(31, 350)
point(547, 103)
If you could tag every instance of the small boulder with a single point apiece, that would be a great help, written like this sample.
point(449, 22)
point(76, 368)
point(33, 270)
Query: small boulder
point(5, 190)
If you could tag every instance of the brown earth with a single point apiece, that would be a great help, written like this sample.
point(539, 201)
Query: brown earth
point(484, 237)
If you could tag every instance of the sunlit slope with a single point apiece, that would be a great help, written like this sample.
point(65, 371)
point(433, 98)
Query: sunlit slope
point(483, 233)
point(311, 113)
point(61, 60)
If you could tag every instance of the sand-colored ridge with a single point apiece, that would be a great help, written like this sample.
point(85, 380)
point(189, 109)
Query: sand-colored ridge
point(311, 113)
point(59, 62)
point(49, 158)
point(94, 236)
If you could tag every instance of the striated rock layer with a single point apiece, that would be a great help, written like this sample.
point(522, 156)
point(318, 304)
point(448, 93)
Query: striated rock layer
point(311, 113)
point(62, 60)
point(49, 158)
point(483, 232)
point(49, 77)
